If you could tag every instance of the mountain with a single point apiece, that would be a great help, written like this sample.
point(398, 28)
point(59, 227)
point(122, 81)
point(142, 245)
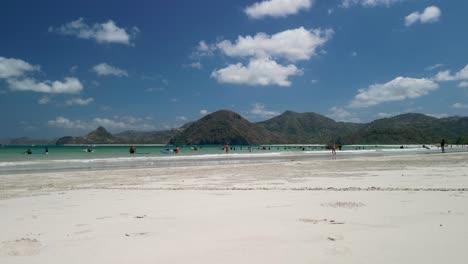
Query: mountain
point(30, 141)
point(414, 128)
point(408, 128)
point(310, 128)
point(102, 136)
point(223, 127)
point(98, 136)
point(290, 127)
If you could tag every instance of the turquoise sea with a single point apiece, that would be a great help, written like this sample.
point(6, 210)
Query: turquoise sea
point(64, 158)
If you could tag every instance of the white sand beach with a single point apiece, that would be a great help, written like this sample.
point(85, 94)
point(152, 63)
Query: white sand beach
point(390, 209)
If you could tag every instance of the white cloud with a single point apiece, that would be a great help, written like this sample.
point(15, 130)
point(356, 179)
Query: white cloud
point(204, 112)
point(277, 8)
point(116, 124)
point(203, 49)
point(181, 118)
point(63, 122)
point(433, 67)
point(12, 68)
point(79, 101)
point(438, 115)
point(258, 109)
point(195, 65)
point(258, 72)
point(294, 44)
point(69, 85)
point(459, 105)
point(430, 15)
point(353, 54)
point(398, 89)
point(43, 100)
point(313, 81)
point(463, 84)
point(447, 76)
point(106, 69)
point(368, 3)
point(155, 89)
point(386, 115)
point(340, 114)
point(73, 69)
point(107, 32)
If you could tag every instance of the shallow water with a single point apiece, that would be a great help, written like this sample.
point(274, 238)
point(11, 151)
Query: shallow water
point(66, 158)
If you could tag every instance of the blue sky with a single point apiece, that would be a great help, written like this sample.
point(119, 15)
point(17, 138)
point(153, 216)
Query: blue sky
point(67, 67)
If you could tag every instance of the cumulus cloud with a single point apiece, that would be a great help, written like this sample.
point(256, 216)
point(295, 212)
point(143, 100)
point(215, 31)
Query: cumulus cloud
point(460, 106)
point(69, 85)
point(258, 72)
point(448, 76)
point(204, 112)
point(79, 101)
point(196, 65)
point(368, 3)
point(113, 124)
point(277, 8)
point(340, 114)
point(386, 115)
point(43, 100)
point(433, 67)
point(398, 89)
point(430, 15)
point(107, 32)
point(438, 115)
point(293, 44)
point(13, 68)
point(259, 110)
point(106, 69)
point(463, 84)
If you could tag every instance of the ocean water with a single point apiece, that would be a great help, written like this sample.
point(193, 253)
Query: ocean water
point(66, 158)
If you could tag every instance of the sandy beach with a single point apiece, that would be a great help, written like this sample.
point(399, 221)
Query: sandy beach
point(386, 209)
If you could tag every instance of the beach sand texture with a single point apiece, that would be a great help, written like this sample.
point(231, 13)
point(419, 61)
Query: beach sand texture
point(394, 209)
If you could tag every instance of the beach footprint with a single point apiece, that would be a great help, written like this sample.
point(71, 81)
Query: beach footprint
point(20, 247)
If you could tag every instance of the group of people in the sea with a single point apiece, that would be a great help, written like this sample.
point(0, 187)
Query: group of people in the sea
point(29, 151)
point(333, 147)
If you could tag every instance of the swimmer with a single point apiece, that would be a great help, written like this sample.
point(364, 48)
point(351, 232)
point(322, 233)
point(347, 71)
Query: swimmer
point(132, 150)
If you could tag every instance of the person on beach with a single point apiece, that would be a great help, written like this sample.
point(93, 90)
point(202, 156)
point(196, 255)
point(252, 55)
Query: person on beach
point(227, 148)
point(132, 150)
point(333, 149)
point(176, 150)
point(46, 150)
point(442, 145)
point(29, 152)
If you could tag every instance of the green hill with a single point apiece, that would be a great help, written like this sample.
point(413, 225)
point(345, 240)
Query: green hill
point(310, 128)
point(98, 136)
point(290, 127)
point(225, 127)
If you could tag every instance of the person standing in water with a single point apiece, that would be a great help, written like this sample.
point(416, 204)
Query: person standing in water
point(227, 148)
point(333, 149)
point(442, 145)
point(46, 150)
point(132, 150)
